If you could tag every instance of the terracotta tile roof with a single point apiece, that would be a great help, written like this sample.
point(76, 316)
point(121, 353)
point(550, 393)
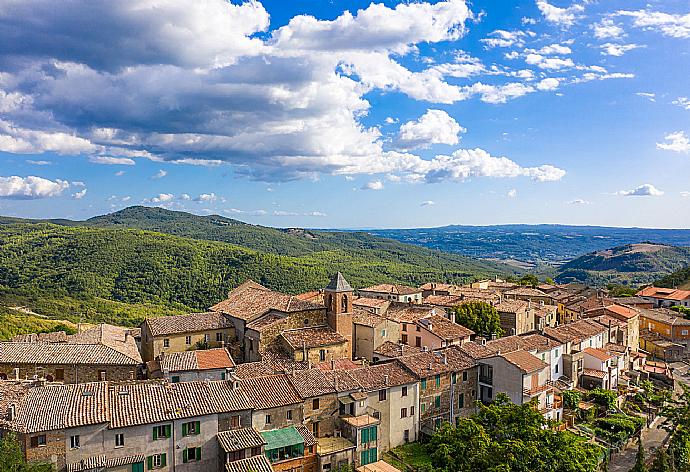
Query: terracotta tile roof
point(116, 338)
point(54, 337)
point(204, 359)
point(664, 293)
point(620, 311)
point(395, 289)
point(313, 336)
point(191, 323)
point(525, 292)
point(436, 286)
point(153, 402)
point(54, 407)
point(430, 363)
point(485, 294)
point(238, 439)
point(366, 318)
point(512, 306)
point(309, 439)
point(445, 329)
point(537, 342)
point(265, 321)
point(528, 342)
point(447, 301)
point(605, 320)
point(406, 313)
point(312, 383)
point(102, 462)
point(664, 315)
point(599, 354)
point(251, 300)
point(63, 353)
point(380, 376)
point(371, 302)
point(258, 463)
point(524, 361)
point(576, 331)
point(270, 391)
point(338, 364)
point(315, 296)
point(391, 349)
point(598, 374)
point(268, 366)
point(318, 382)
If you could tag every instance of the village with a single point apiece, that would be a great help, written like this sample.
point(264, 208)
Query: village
point(325, 380)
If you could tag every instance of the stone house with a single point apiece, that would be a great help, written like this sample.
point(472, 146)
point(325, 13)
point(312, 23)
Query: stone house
point(103, 352)
point(665, 297)
point(268, 312)
point(275, 402)
point(520, 375)
point(517, 317)
point(447, 386)
point(242, 444)
point(438, 332)
point(370, 331)
point(181, 333)
point(575, 337)
point(392, 292)
point(390, 350)
point(528, 294)
point(187, 366)
point(125, 426)
point(372, 305)
point(314, 344)
point(388, 416)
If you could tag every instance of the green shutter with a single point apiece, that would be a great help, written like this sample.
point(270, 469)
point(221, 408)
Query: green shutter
point(155, 433)
point(184, 456)
point(184, 430)
point(149, 462)
point(198, 453)
point(365, 435)
point(372, 433)
point(363, 459)
point(167, 430)
point(423, 384)
point(198, 427)
point(461, 400)
point(163, 461)
point(438, 402)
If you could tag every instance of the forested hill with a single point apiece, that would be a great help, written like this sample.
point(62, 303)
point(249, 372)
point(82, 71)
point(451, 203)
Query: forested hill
point(158, 272)
point(679, 279)
point(633, 264)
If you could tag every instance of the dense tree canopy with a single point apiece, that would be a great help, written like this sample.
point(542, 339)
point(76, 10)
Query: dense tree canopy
point(504, 437)
point(480, 317)
point(12, 460)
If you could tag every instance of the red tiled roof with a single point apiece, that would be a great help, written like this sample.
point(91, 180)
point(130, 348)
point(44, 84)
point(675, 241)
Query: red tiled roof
point(598, 353)
point(524, 361)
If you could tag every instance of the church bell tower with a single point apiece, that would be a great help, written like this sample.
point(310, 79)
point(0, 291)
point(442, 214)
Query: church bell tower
point(338, 299)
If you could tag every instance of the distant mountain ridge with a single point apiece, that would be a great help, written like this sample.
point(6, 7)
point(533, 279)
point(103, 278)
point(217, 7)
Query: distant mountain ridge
point(633, 264)
point(533, 244)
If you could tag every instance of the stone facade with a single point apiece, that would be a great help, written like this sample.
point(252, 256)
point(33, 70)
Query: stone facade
point(153, 346)
point(258, 340)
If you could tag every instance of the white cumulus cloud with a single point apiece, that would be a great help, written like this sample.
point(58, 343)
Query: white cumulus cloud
point(560, 16)
point(676, 142)
point(373, 185)
point(31, 187)
point(433, 127)
point(644, 190)
point(110, 160)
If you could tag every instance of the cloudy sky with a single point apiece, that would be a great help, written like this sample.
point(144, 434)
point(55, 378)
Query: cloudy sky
point(349, 114)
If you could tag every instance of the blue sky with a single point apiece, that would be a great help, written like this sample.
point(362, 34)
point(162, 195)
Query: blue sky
point(349, 114)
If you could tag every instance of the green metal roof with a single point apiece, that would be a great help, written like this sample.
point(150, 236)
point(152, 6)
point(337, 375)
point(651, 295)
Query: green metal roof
point(284, 437)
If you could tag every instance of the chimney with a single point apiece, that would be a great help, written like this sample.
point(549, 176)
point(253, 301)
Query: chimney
point(16, 373)
point(445, 359)
point(332, 364)
point(12, 412)
point(451, 316)
point(385, 380)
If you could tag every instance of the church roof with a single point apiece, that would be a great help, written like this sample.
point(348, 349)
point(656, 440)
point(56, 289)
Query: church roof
point(338, 284)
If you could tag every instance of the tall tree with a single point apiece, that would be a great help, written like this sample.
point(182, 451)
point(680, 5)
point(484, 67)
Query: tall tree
point(480, 317)
point(12, 459)
point(661, 462)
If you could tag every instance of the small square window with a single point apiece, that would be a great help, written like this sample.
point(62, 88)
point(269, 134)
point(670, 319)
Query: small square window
point(188, 340)
point(166, 342)
point(268, 419)
point(119, 440)
point(74, 442)
point(404, 391)
point(382, 395)
point(219, 337)
point(288, 414)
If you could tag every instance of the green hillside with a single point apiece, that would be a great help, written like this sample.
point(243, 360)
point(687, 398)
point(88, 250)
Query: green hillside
point(631, 264)
point(81, 272)
point(679, 279)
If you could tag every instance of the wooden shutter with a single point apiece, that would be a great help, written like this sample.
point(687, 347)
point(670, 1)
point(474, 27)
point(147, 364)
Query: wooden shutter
point(34, 441)
point(372, 434)
point(167, 430)
point(198, 453)
point(198, 427)
point(184, 432)
point(163, 460)
point(185, 456)
point(149, 462)
point(155, 433)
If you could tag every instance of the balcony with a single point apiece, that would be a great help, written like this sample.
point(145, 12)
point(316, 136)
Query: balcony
point(535, 391)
